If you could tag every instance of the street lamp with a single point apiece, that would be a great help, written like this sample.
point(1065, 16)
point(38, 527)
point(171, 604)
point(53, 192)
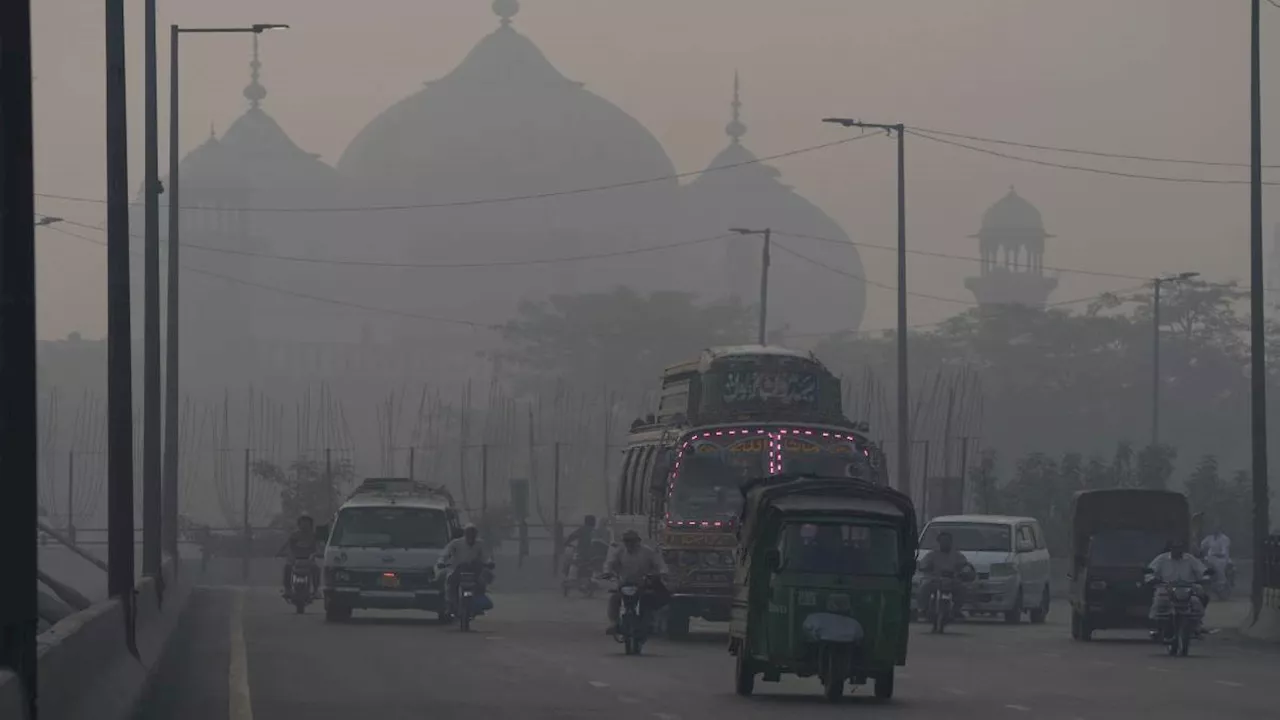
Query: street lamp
point(170, 524)
point(764, 275)
point(1156, 282)
point(904, 425)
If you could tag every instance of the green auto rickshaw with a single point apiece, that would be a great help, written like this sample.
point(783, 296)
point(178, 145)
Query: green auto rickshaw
point(823, 583)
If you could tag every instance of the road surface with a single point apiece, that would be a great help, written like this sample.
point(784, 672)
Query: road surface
point(242, 653)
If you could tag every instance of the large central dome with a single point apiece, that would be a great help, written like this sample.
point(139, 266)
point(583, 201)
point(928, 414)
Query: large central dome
point(504, 122)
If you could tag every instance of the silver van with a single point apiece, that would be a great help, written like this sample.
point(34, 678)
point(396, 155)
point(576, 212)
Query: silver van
point(1011, 560)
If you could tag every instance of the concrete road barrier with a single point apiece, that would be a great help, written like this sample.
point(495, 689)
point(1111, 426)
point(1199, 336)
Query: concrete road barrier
point(85, 668)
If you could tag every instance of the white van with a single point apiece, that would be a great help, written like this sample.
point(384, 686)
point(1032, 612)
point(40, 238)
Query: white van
point(383, 547)
point(1010, 557)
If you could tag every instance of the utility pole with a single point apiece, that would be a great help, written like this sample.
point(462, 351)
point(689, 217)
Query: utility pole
point(411, 459)
point(120, 579)
point(18, 436)
point(328, 484)
point(1155, 347)
point(764, 277)
point(151, 458)
point(244, 514)
point(964, 474)
point(1257, 326)
point(170, 493)
point(557, 534)
point(904, 424)
point(71, 494)
point(484, 481)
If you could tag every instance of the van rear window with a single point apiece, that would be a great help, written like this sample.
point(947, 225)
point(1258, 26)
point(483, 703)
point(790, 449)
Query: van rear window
point(391, 527)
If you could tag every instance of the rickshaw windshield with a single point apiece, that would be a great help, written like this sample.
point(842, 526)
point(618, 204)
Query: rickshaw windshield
point(839, 548)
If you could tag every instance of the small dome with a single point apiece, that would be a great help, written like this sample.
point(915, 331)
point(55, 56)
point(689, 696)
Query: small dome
point(1012, 214)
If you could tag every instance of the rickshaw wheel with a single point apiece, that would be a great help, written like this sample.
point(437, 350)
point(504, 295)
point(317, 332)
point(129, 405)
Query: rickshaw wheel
point(884, 686)
point(833, 678)
point(745, 680)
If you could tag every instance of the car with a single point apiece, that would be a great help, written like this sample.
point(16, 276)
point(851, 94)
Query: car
point(382, 549)
point(1011, 560)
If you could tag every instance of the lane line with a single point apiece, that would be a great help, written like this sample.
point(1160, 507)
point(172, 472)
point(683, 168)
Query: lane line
point(597, 684)
point(1229, 683)
point(239, 700)
point(628, 700)
point(1019, 708)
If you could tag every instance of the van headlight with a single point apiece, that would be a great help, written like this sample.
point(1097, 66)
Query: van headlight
point(1002, 570)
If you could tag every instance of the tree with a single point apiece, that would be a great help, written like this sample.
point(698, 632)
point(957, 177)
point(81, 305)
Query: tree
point(305, 488)
point(619, 340)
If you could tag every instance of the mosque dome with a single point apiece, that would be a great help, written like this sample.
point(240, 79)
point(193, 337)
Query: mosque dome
point(503, 122)
point(1012, 214)
point(738, 190)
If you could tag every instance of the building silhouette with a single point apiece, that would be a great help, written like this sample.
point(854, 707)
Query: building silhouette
point(1011, 243)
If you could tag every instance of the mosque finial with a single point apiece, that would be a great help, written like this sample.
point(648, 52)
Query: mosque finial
point(254, 91)
point(213, 134)
point(506, 9)
point(736, 129)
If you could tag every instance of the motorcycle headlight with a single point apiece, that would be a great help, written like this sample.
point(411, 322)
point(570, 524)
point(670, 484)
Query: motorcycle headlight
point(1000, 570)
point(1182, 593)
point(629, 590)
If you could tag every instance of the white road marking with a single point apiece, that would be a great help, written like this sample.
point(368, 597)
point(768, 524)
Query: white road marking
point(597, 684)
point(1019, 708)
point(627, 700)
point(1229, 683)
point(240, 704)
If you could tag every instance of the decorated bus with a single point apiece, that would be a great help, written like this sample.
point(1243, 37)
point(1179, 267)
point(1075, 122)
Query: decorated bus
point(734, 414)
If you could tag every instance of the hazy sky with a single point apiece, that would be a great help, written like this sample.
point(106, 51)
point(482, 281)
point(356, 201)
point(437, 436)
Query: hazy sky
point(1149, 77)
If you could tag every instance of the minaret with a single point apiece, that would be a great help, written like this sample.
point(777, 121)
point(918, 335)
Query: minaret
point(739, 267)
point(506, 9)
point(1011, 243)
point(254, 92)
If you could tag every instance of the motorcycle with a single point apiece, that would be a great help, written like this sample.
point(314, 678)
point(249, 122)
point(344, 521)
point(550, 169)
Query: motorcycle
point(1224, 576)
point(471, 602)
point(942, 603)
point(301, 591)
point(1179, 621)
point(634, 615)
point(582, 571)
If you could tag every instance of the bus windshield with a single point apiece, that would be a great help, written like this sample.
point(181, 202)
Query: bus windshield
point(707, 485)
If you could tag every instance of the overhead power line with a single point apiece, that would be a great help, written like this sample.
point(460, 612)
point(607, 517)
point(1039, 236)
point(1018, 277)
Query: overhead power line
point(1082, 168)
point(1079, 151)
point(784, 248)
point(302, 295)
point(501, 199)
point(458, 265)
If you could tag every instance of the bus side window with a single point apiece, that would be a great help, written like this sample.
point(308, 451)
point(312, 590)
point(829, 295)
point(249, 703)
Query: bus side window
point(624, 487)
point(640, 473)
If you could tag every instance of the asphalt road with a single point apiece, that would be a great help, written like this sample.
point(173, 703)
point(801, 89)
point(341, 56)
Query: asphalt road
point(241, 653)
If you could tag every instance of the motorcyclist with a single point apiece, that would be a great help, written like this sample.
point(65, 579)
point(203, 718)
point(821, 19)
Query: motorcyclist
point(303, 544)
point(581, 540)
point(460, 552)
point(631, 563)
point(944, 559)
point(1215, 548)
point(1176, 566)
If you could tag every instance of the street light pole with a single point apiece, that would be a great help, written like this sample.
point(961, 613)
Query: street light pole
point(904, 422)
point(1257, 327)
point(151, 487)
point(172, 325)
point(18, 437)
point(1155, 348)
point(767, 234)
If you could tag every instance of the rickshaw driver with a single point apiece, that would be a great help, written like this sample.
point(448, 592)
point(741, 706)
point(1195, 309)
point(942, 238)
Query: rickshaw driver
point(944, 559)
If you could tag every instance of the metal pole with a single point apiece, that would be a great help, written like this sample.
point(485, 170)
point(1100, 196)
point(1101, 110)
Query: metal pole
point(555, 508)
point(18, 435)
point(170, 494)
point(120, 550)
point(964, 474)
point(1257, 327)
point(328, 484)
point(71, 494)
point(904, 422)
point(1155, 363)
point(484, 481)
point(244, 510)
point(151, 306)
point(764, 285)
point(411, 459)
point(924, 484)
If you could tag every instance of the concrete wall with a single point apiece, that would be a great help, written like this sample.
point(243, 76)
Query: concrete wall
point(85, 671)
